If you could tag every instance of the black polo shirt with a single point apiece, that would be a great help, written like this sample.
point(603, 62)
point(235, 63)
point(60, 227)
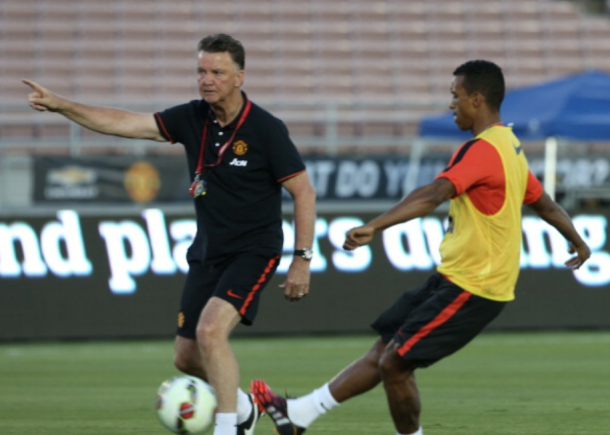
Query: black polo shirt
point(241, 211)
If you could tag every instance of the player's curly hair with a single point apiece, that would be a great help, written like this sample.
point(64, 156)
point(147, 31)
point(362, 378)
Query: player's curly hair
point(485, 77)
point(220, 43)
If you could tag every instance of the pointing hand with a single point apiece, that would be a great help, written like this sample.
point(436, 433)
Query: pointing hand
point(42, 99)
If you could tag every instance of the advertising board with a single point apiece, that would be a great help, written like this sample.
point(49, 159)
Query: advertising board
point(76, 275)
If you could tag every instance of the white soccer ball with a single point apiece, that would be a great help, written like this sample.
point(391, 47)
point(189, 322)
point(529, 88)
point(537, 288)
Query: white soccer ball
point(186, 405)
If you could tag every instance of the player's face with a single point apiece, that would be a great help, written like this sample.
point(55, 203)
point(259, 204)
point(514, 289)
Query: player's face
point(461, 105)
point(218, 77)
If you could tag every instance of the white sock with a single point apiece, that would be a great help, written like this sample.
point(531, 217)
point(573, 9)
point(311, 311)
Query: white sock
point(226, 424)
point(244, 406)
point(420, 431)
point(304, 410)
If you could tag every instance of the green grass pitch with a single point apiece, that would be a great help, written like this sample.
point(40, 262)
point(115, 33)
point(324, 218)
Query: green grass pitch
point(501, 384)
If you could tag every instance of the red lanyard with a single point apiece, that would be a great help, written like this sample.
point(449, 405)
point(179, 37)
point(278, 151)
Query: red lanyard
point(221, 152)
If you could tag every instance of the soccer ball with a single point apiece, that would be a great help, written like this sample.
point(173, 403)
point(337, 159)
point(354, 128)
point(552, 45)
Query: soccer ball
point(186, 405)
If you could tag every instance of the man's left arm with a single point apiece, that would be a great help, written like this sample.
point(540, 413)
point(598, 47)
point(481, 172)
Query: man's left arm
point(297, 280)
point(556, 216)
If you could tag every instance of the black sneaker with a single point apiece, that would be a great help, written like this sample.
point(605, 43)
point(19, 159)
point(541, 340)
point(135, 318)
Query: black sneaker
point(247, 427)
point(276, 407)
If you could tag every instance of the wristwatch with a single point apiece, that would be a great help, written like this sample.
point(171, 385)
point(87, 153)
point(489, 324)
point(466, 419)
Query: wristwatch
point(305, 254)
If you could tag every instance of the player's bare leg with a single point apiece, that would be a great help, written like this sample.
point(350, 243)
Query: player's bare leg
point(360, 376)
point(401, 391)
point(293, 416)
point(187, 357)
point(217, 321)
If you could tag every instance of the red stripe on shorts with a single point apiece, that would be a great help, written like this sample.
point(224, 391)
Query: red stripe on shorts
point(257, 286)
point(442, 317)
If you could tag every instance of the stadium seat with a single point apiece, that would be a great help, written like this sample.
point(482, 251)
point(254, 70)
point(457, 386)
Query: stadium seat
point(358, 51)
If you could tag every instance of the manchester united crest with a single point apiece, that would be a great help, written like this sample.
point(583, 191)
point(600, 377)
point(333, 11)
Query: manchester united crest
point(240, 148)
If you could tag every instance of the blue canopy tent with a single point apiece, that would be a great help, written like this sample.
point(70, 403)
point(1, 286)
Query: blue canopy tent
point(575, 107)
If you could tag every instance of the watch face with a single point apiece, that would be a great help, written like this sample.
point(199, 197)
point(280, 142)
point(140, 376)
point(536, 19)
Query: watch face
point(306, 254)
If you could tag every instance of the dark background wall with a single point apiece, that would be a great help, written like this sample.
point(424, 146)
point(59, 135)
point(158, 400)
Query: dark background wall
point(88, 295)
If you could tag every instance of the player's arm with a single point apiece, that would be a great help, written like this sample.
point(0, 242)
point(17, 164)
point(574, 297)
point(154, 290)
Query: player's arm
point(116, 122)
point(304, 196)
point(469, 165)
point(556, 216)
point(421, 202)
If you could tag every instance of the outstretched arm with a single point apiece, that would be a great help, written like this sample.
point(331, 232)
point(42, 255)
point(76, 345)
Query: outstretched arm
point(421, 202)
point(116, 122)
point(556, 216)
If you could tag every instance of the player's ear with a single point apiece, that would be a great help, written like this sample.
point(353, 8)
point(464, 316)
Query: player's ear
point(477, 99)
point(240, 78)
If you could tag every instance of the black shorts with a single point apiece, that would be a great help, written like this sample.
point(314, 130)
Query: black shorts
point(435, 320)
point(238, 280)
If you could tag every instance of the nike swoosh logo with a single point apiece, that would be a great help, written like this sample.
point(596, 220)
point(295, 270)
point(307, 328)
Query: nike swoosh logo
point(517, 149)
point(233, 295)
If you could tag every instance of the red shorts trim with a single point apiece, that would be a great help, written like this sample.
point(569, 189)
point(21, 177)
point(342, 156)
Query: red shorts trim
point(434, 320)
point(262, 280)
point(445, 315)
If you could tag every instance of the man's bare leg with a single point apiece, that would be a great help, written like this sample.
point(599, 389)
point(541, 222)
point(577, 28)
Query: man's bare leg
point(401, 391)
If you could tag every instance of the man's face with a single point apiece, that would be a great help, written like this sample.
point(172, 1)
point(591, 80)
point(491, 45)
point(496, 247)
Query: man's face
point(218, 76)
point(462, 105)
